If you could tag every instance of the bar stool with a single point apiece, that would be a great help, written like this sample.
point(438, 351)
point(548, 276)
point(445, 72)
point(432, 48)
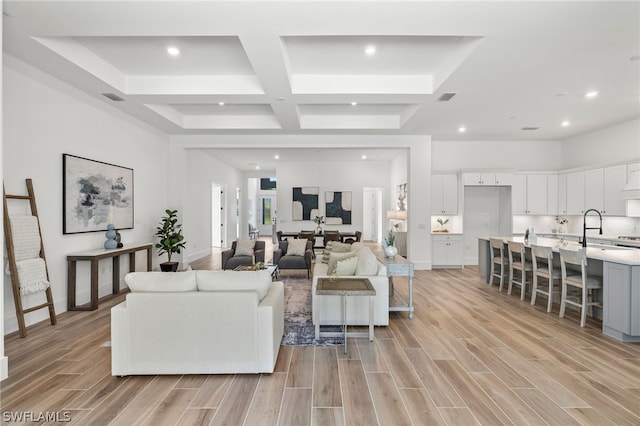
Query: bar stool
point(499, 261)
point(518, 262)
point(577, 278)
point(542, 260)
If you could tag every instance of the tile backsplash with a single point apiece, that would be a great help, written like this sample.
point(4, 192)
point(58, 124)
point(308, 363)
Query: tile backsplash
point(611, 225)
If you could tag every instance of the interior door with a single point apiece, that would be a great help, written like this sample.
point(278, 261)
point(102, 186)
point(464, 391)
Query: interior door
point(369, 215)
point(217, 216)
point(266, 213)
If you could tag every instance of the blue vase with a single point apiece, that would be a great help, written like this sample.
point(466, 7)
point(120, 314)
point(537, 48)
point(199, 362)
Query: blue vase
point(111, 242)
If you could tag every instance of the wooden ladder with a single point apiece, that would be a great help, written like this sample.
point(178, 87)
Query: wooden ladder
point(20, 311)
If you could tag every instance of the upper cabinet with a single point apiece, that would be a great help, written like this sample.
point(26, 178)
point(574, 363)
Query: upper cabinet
point(598, 189)
point(444, 194)
point(487, 179)
point(529, 194)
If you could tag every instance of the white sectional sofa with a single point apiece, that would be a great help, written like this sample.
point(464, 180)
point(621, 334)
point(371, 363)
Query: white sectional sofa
point(197, 322)
point(330, 307)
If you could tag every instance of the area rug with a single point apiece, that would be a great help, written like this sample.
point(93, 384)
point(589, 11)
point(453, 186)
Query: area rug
point(298, 323)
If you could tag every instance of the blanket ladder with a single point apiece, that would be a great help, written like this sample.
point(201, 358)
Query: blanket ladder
point(11, 252)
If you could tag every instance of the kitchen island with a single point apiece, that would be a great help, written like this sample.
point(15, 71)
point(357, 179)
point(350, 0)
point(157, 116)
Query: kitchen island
point(620, 269)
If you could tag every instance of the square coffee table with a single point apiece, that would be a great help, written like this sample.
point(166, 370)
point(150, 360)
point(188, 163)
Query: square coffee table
point(345, 287)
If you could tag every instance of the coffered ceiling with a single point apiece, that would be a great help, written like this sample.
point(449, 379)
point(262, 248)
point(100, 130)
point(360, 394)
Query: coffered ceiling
point(301, 67)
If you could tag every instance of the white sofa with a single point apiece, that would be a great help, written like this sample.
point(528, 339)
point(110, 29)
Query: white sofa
point(330, 307)
point(197, 322)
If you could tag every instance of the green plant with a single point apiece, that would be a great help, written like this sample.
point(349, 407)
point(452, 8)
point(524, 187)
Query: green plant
point(442, 222)
point(319, 220)
point(390, 239)
point(169, 231)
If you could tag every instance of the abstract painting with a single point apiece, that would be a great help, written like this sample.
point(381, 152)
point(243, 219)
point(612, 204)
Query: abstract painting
point(95, 194)
point(305, 203)
point(402, 197)
point(338, 207)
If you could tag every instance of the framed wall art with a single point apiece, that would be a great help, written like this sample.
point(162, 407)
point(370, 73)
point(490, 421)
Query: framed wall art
point(305, 202)
point(95, 194)
point(401, 201)
point(338, 207)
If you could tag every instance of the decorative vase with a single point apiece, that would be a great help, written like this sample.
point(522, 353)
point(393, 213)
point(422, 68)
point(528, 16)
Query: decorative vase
point(390, 251)
point(111, 242)
point(319, 230)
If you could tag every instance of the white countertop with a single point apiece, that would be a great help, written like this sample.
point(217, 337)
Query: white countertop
point(606, 253)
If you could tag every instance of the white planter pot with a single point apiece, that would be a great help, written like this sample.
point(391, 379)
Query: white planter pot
point(390, 251)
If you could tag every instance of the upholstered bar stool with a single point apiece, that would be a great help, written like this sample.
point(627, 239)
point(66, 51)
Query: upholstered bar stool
point(542, 260)
point(499, 261)
point(574, 275)
point(518, 262)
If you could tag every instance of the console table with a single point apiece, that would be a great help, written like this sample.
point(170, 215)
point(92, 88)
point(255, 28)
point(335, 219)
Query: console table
point(398, 266)
point(94, 256)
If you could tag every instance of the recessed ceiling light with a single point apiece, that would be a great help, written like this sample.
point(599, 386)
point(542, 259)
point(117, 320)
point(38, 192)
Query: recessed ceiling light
point(354, 103)
point(221, 103)
point(591, 95)
point(277, 157)
point(257, 167)
point(565, 123)
point(370, 50)
point(173, 51)
point(462, 129)
point(364, 157)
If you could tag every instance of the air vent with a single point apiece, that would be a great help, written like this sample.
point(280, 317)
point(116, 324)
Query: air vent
point(113, 97)
point(530, 128)
point(445, 97)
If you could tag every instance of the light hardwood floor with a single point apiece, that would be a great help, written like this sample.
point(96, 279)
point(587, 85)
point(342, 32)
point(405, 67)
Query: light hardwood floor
point(471, 355)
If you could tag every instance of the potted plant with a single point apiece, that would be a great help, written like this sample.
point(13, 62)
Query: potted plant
point(390, 249)
point(319, 220)
point(171, 240)
point(442, 223)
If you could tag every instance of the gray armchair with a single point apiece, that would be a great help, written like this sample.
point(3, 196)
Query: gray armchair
point(287, 261)
point(231, 261)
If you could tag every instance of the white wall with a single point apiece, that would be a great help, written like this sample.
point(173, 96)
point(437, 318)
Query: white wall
point(203, 170)
point(616, 144)
point(520, 155)
point(44, 118)
point(327, 176)
point(4, 362)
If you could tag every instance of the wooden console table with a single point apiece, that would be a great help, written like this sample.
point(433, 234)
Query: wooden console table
point(94, 256)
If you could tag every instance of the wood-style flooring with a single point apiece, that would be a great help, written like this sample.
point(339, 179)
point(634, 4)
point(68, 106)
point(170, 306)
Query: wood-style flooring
point(470, 355)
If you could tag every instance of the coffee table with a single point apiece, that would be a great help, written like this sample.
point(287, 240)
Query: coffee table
point(273, 269)
point(345, 287)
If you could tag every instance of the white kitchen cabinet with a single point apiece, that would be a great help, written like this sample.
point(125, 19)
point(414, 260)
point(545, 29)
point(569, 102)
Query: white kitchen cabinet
point(594, 189)
point(447, 250)
point(444, 194)
point(615, 179)
point(529, 194)
point(562, 194)
point(552, 194)
point(487, 179)
point(575, 193)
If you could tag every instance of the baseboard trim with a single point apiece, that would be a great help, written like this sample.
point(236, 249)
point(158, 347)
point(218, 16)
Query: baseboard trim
point(4, 368)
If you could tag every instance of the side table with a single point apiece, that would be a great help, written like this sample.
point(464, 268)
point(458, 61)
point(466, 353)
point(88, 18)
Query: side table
point(345, 287)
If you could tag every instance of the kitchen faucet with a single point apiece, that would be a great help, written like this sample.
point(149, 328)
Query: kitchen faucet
point(584, 226)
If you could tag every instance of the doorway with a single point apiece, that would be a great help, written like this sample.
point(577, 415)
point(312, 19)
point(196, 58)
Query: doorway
point(217, 216)
point(266, 213)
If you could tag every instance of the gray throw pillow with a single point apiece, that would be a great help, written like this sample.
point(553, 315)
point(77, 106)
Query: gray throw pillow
point(244, 247)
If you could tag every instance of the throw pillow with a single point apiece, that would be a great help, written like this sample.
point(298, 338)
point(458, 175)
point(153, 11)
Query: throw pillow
point(297, 247)
point(333, 260)
point(347, 266)
point(161, 282)
point(357, 246)
point(338, 247)
point(244, 247)
point(367, 262)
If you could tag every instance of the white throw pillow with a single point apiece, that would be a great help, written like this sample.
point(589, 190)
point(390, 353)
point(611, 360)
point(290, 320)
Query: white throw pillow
point(244, 247)
point(337, 247)
point(333, 260)
point(297, 247)
point(367, 262)
point(347, 266)
point(161, 282)
point(357, 246)
point(258, 281)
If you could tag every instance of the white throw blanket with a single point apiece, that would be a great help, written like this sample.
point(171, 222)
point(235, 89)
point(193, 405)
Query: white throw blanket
point(32, 272)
